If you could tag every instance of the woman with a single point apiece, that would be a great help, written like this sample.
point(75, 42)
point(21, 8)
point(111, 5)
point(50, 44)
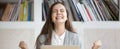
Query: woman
point(57, 29)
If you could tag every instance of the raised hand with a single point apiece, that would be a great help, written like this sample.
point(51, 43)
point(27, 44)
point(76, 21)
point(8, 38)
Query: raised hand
point(97, 44)
point(23, 45)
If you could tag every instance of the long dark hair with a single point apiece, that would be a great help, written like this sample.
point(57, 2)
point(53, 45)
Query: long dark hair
point(49, 25)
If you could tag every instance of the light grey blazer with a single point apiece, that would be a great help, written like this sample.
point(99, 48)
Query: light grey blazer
point(70, 39)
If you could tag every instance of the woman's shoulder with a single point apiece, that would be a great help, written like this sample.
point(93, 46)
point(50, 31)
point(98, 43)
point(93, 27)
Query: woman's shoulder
point(42, 37)
point(73, 34)
point(74, 38)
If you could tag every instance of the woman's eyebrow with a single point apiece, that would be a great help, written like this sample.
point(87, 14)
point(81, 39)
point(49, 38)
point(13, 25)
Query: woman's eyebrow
point(57, 9)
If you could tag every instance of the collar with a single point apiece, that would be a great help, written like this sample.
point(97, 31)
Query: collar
point(57, 36)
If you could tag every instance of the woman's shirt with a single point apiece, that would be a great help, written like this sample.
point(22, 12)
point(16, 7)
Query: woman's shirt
point(56, 39)
point(70, 38)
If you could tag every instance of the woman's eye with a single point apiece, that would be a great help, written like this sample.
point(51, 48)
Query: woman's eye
point(54, 11)
point(62, 10)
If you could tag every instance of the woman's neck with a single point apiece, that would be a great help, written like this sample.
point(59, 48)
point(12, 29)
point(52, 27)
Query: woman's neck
point(60, 29)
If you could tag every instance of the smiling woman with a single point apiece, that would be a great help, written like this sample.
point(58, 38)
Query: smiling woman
point(58, 30)
point(59, 14)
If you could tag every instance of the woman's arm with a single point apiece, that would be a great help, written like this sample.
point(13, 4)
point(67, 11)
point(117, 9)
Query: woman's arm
point(23, 45)
point(96, 44)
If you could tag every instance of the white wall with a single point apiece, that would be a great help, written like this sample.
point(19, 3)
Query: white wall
point(109, 37)
point(10, 38)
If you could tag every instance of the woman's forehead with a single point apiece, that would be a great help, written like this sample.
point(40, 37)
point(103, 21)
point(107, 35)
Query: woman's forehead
point(58, 6)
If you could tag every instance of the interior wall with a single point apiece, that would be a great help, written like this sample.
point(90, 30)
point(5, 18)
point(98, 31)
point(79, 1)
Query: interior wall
point(109, 38)
point(10, 38)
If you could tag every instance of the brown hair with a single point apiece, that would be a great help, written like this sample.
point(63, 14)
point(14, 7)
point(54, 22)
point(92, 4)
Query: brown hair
point(49, 26)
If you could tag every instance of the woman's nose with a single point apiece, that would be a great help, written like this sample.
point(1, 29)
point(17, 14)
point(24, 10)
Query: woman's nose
point(58, 12)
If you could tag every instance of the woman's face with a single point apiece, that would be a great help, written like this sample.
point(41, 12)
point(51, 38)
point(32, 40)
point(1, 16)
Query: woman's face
point(59, 14)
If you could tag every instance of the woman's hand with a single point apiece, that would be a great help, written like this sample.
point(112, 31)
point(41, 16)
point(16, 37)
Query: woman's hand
point(23, 45)
point(96, 44)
